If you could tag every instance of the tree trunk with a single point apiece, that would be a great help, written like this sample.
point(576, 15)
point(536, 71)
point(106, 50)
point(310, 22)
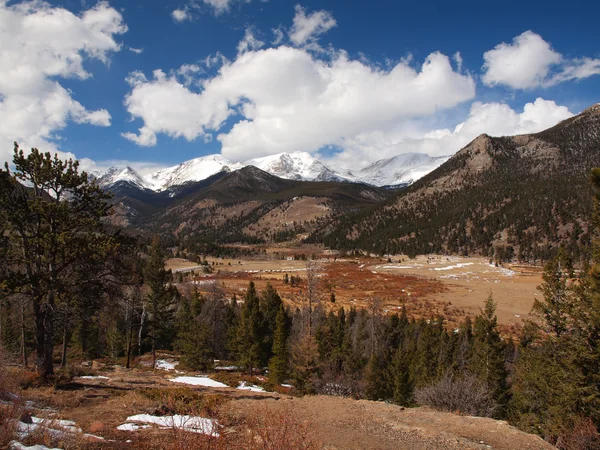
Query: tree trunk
point(23, 349)
point(63, 358)
point(48, 340)
point(39, 336)
point(142, 320)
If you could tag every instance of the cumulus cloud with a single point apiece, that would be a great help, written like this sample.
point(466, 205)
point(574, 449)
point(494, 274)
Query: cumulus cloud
point(495, 119)
point(287, 99)
point(307, 28)
point(530, 62)
point(39, 45)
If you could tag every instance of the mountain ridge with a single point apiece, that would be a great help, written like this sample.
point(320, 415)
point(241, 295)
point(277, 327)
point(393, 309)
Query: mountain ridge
point(400, 170)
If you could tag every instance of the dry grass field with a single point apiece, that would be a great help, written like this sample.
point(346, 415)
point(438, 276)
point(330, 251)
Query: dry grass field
point(427, 286)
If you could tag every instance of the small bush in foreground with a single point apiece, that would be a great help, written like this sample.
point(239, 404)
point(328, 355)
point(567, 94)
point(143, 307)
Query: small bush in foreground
point(465, 394)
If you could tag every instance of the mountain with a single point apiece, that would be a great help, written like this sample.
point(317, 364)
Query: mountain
point(296, 166)
point(248, 206)
point(524, 194)
point(301, 166)
point(116, 175)
point(197, 169)
point(400, 170)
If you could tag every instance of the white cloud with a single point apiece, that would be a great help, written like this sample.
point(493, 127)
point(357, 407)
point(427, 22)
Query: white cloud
point(137, 51)
point(524, 64)
point(249, 42)
point(494, 119)
point(530, 62)
point(287, 99)
point(39, 44)
point(576, 69)
point(181, 15)
point(218, 7)
point(307, 28)
point(278, 36)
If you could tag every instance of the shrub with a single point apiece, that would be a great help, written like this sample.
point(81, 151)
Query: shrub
point(465, 394)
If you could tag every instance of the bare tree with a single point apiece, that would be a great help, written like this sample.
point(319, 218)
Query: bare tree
point(313, 269)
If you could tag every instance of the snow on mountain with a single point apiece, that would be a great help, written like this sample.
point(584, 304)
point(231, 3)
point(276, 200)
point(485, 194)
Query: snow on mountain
point(399, 170)
point(295, 166)
point(196, 169)
point(403, 169)
point(119, 174)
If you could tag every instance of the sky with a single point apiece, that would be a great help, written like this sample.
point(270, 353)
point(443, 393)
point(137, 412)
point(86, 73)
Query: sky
point(153, 83)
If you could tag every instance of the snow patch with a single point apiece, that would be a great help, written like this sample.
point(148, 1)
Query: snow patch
point(455, 266)
point(163, 364)
point(250, 387)
point(187, 423)
point(199, 381)
point(90, 377)
point(14, 445)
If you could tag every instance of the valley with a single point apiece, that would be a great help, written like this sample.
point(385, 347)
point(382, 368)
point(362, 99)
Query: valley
point(427, 286)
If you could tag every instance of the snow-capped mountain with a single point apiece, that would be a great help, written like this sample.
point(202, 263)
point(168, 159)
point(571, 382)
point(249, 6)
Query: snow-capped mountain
point(400, 170)
point(403, 169)
point(115, 175)
point(196, 169)
point(295, 166)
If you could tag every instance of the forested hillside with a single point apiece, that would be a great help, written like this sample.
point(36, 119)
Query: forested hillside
point(523, 196)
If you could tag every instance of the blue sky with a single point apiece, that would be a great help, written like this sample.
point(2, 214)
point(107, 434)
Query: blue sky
point(350, 82)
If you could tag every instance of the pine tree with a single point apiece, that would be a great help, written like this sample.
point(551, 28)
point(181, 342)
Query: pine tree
point(160, 300)
point(249, 337)
point(557, 303)
point(279, 363)
point(270, 303)
point(487, 360)
point(52, 235)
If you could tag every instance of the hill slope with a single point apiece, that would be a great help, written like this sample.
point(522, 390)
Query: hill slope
point(523, 194)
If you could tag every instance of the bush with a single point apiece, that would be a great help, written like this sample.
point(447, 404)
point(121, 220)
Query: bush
point(465, 394)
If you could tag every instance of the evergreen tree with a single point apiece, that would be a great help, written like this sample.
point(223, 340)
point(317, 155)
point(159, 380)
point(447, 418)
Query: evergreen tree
point(557, 303)
point(270, 303)
point(279, 363)
point(161, 299)
point(487, 360)
point(50, 217)
point(250, 336)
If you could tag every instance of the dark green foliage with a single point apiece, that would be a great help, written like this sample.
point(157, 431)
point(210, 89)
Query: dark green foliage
point(488, 351)
point(279, 368)
point(54, 243)
point(161, 301)
point(250, 336)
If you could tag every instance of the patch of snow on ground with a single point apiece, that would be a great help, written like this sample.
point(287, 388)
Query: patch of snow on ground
point(455, 266)
point(56, 428)
point(163, 364)
point(186, 423)
point(230, 368)
point(14, 445)
point(249, 387)
point(199, 381)
point(395, 267)
point(132, 427)
point(90, 377)
point(286, 385)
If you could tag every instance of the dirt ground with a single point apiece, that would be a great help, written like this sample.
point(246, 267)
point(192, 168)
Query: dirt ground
point(427, 286)
point(99, 406)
